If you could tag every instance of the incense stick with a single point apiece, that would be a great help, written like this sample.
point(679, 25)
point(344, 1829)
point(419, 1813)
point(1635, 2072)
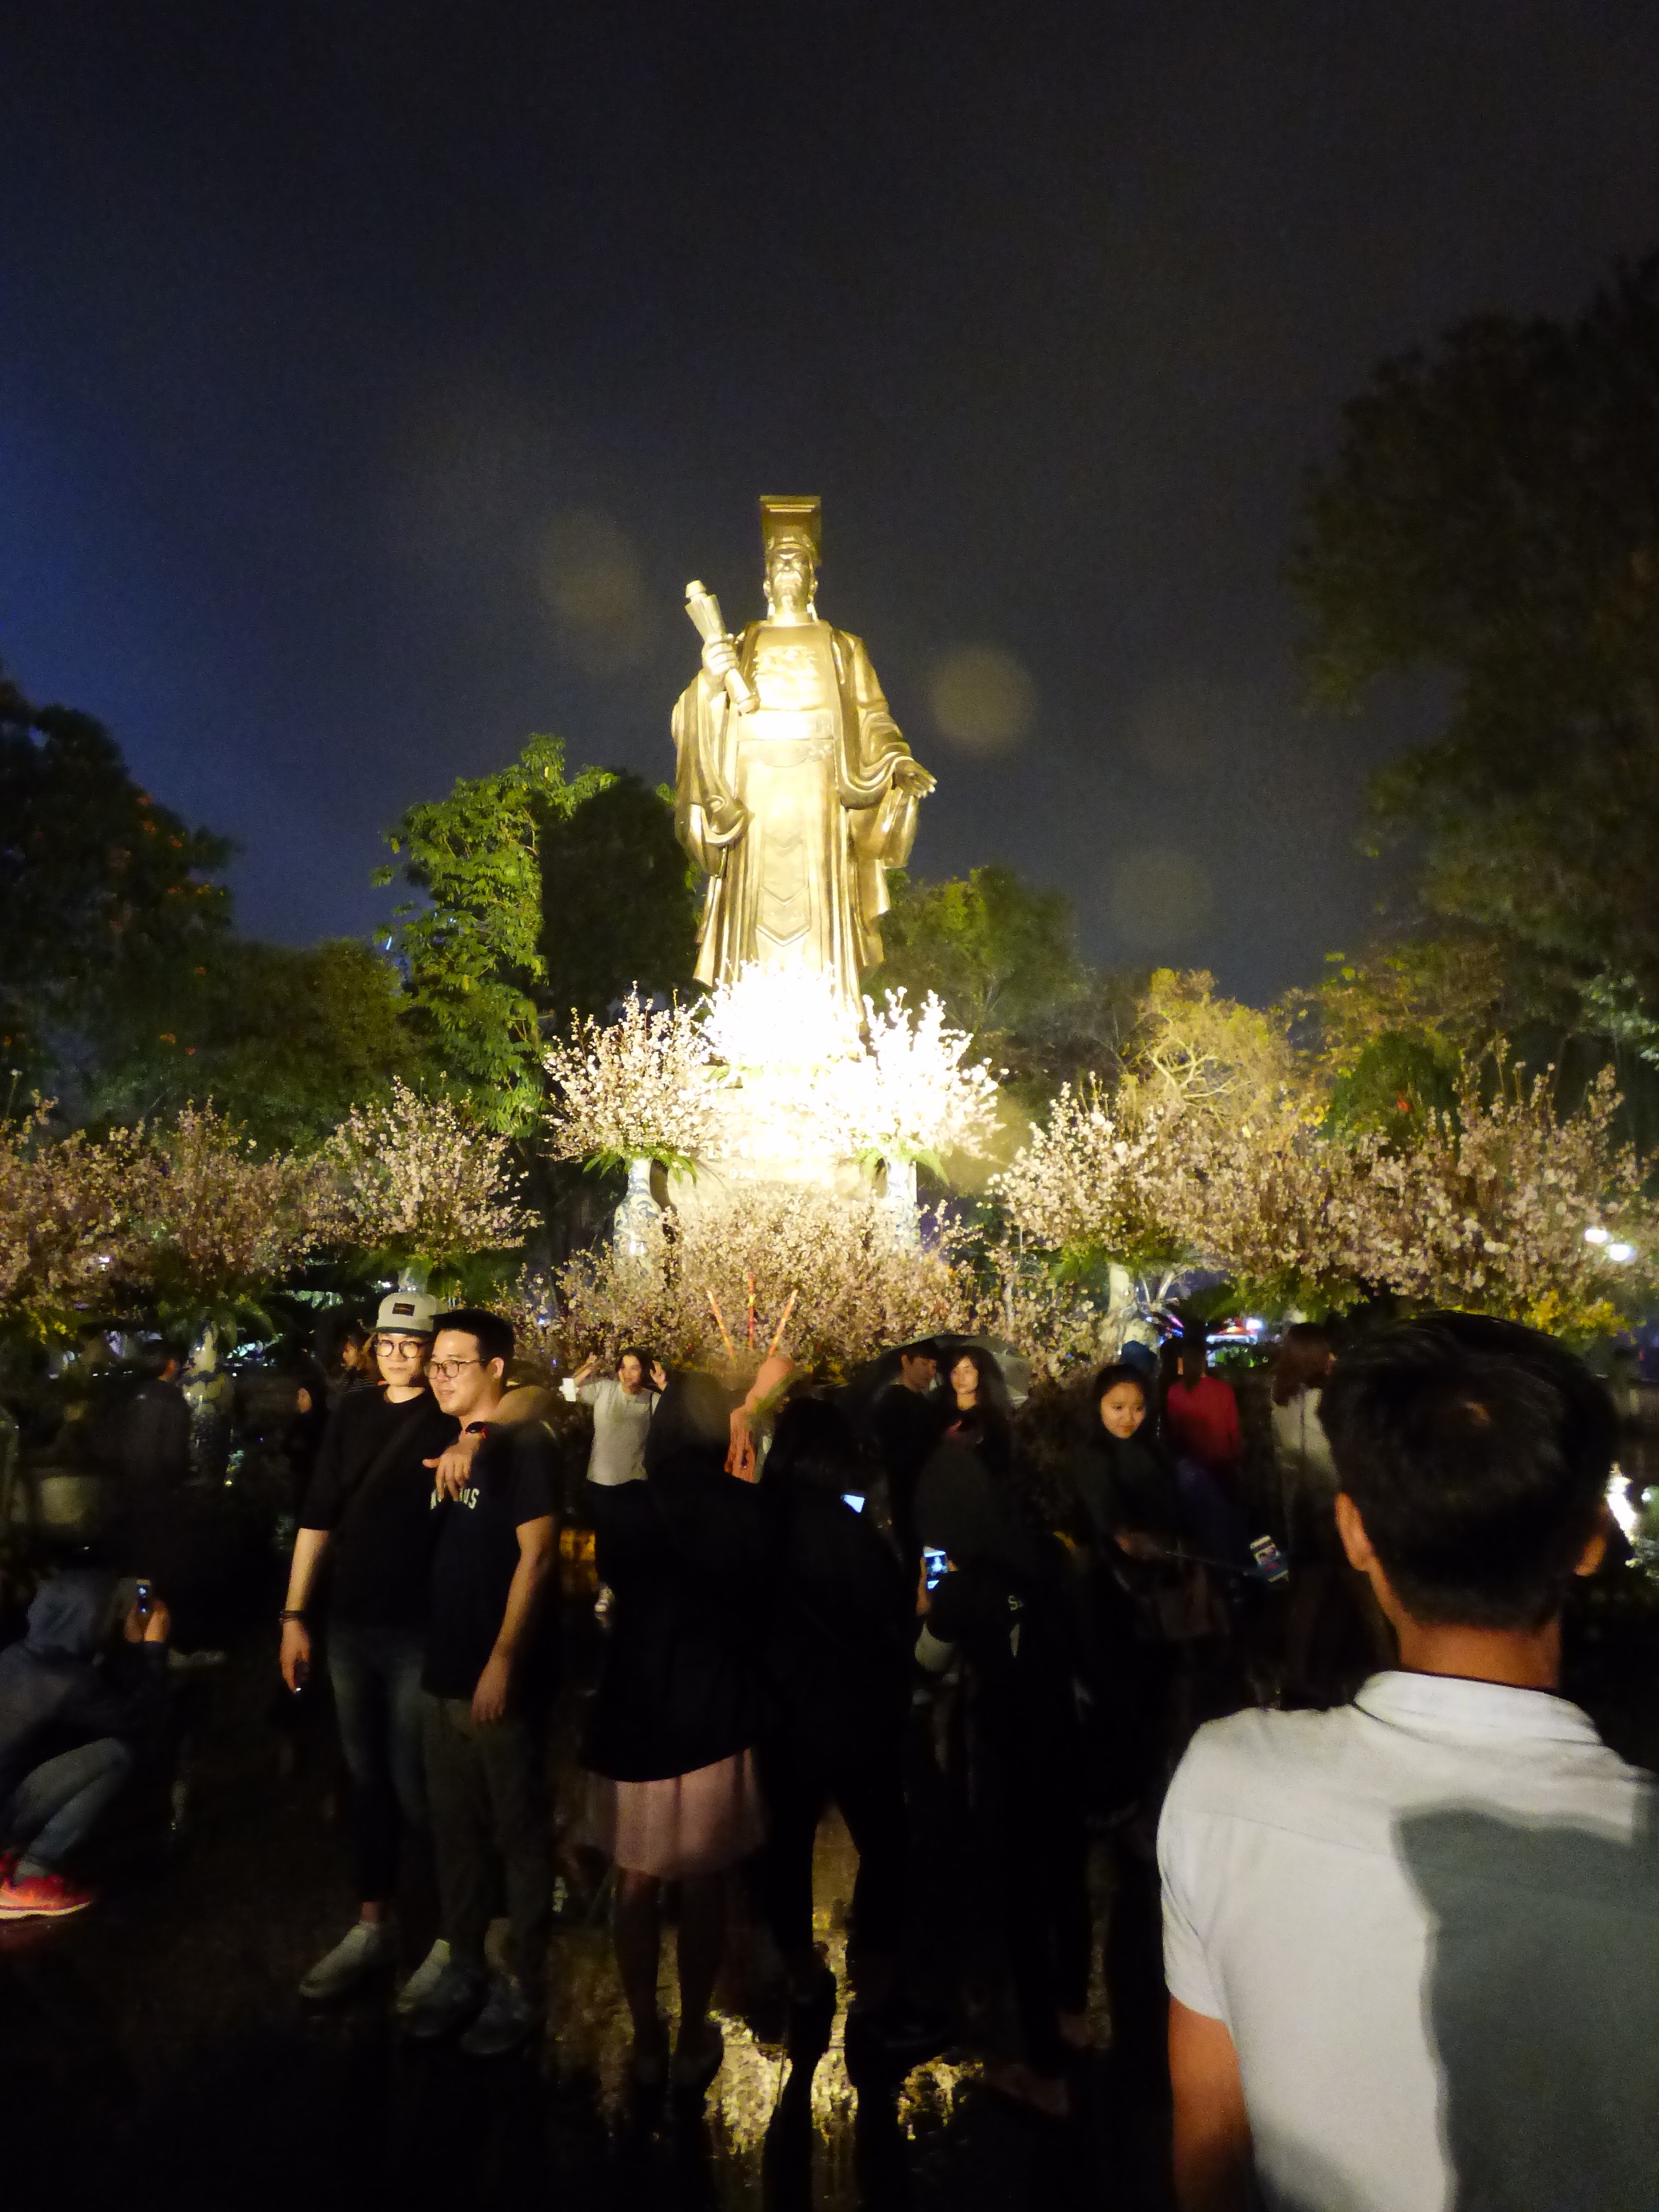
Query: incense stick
point(783, 1323)
point(731, 1349)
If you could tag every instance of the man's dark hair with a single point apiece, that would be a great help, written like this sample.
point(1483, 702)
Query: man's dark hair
point(492, 1334)
point(925, 1348)
point(1478, 1452)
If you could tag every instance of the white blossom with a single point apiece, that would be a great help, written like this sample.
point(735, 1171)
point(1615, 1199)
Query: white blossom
point(638, 1087)
point(418, 1180)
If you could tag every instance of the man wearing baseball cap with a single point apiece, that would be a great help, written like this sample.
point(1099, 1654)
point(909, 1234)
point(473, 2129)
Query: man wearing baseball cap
point(369, 1507)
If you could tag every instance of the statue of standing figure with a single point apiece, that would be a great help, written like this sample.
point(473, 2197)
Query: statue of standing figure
point(796, 802)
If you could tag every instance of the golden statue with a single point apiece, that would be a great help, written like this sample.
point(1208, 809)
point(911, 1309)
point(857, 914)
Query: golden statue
point(796, 793)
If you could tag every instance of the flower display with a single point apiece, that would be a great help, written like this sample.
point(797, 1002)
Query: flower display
point(856, 1287)
point(418, 1180)
point(639, 1087)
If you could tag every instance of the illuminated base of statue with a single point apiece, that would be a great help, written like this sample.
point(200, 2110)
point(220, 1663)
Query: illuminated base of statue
point(759, 1151)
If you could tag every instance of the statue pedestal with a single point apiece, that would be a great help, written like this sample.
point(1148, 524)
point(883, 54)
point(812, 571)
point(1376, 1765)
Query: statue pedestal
point(758, 1151)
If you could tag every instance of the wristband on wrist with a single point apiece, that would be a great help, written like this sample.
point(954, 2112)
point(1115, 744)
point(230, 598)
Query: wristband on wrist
point(290, 1612)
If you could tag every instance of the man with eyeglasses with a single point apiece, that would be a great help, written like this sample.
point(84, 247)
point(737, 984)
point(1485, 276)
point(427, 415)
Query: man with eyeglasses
point(490, 1643)
point(368, 1507)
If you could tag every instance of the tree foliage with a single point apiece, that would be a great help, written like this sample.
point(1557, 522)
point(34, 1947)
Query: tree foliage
point(618, 910)
point(472, 952)
point(1491, 519)
point(109, 912)
point(285, 1040)
point(1000, 955)
point(541, 898)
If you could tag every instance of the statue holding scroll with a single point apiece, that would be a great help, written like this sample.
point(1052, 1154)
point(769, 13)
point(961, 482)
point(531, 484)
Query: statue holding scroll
point(795, 793)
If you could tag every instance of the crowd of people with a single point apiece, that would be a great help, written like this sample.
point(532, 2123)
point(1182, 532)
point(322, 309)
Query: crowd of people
point(991, 1636)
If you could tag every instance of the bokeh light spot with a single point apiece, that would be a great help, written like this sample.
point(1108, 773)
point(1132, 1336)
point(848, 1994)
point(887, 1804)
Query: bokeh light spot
point(983, 698)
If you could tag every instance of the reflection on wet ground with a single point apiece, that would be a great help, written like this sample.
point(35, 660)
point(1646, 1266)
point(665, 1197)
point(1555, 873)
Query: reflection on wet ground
point(153, 2052)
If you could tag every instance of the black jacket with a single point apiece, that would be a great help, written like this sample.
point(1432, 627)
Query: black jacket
point(1127, 1485)
point(842, 1622)
point(681, 1684)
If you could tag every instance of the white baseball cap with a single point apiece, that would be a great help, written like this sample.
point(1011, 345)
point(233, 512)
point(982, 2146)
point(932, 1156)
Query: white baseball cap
point(406, 1313)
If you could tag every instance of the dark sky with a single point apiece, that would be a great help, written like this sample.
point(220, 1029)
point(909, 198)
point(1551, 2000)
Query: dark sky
point(373, 377)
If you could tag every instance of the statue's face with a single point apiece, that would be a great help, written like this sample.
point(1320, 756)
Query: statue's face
point(790, 577)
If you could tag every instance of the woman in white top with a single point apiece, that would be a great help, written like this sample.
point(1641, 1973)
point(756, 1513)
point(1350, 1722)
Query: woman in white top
point(1307, 1473)
point(621, 1414)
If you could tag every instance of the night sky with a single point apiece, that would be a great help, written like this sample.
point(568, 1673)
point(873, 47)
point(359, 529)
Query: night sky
point(374, 378)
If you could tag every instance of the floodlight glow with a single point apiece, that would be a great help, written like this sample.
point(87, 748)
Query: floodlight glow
point(1621, 1252)
point(1619, 1505)
point(1596, 1237)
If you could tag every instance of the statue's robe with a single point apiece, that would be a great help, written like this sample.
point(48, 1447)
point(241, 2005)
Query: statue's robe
point(790, 809)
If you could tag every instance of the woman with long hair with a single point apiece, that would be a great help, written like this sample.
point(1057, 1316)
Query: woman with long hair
point(977, 1413)
point(1307, 1473)
point(677, 1715)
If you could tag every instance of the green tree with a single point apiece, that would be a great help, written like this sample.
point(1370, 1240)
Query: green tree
point(472, 952)
point(542, 897)
point(109, 914)
point(1000, 954)
point(284, 1039)
point(1491, 519)
point(619, 908)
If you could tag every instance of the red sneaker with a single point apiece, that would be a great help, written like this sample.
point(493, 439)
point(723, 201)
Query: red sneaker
point(41, 1897)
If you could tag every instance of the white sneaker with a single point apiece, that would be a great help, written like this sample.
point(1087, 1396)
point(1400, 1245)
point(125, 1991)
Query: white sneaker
point(363, 1950)
point(425, 1979)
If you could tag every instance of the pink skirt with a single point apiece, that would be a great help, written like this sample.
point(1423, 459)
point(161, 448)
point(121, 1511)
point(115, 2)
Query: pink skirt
point(687, 1824)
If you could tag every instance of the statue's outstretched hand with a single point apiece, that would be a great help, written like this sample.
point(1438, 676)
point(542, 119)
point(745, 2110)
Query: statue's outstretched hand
point(910, 775)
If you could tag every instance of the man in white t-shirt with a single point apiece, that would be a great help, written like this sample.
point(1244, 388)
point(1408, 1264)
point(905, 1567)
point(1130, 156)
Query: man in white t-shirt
point(1412, 1944)
point(621, 1414)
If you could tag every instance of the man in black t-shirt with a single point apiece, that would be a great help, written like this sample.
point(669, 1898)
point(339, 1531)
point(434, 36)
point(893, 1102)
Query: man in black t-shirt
point(486, 1636)
point(368, 1507)
point(907, 1419)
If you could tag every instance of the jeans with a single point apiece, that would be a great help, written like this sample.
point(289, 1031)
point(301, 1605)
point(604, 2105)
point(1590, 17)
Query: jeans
point(56, 1807)
point(489, 1829)
point(376, 1677)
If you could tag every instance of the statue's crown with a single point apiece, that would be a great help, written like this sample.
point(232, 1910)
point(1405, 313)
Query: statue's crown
point(792, 521)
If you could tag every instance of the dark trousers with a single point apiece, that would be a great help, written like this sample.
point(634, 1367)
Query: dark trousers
point(56, 1805)
point(484, 1786)
point(375, 1674)
point(867, 1787)
point(1032, 1809)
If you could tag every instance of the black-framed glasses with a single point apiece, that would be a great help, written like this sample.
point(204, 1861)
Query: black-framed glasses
point(449, 1369)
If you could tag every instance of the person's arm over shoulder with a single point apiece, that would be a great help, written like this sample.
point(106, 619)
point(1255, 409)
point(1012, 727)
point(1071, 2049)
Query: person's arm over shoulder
point(533, 1477)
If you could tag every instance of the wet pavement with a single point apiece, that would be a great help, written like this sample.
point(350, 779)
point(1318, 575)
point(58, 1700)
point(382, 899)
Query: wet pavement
point(154, 2051)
